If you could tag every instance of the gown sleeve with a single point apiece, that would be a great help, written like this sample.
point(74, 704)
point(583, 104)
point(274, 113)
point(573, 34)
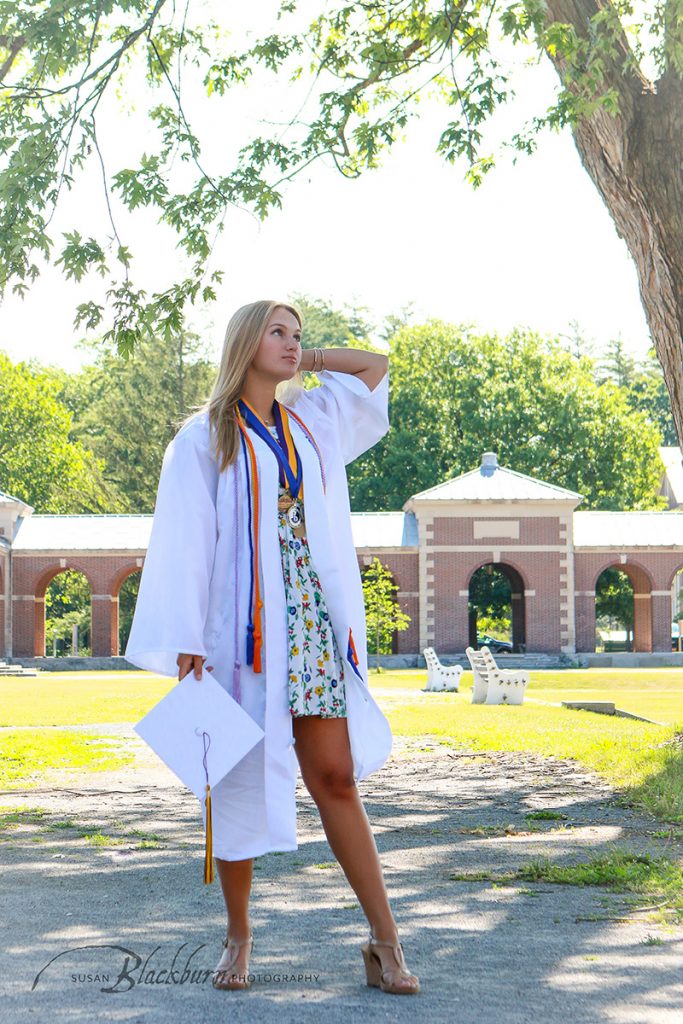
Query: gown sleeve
point(173, 597)
point(360, 416)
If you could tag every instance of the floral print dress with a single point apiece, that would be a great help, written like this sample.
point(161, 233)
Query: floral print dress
point(316, 671)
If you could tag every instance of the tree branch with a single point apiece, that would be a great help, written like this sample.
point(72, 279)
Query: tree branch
point(579, 14)
point(114, 58)
point(14, 46)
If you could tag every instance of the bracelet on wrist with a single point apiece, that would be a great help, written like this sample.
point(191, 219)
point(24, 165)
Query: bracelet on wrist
point(318, 362)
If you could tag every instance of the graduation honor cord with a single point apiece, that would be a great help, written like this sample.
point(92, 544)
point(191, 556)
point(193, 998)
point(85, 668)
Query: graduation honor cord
point(291, 478)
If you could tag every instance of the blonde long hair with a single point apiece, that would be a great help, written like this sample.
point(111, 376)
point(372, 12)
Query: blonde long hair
point(242, 338)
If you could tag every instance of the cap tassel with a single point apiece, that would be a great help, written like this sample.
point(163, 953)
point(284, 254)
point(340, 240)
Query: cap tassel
point(208, 849)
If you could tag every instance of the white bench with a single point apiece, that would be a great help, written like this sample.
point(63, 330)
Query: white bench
point(493, 685)
point(439, 677)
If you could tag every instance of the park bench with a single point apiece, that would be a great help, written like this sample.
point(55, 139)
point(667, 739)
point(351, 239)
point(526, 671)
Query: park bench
point(439, 677)
point(493, 685)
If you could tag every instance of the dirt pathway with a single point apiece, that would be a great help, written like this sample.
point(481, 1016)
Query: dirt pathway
point(136, 918)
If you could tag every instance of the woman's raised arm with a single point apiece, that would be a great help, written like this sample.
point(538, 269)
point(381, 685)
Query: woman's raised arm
point(369, 367)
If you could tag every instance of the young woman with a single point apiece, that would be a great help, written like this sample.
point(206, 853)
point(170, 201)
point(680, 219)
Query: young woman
point(251, 568)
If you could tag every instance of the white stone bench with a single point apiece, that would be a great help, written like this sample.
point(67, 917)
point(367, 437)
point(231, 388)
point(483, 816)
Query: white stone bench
point(493, 685)
point(440, 677)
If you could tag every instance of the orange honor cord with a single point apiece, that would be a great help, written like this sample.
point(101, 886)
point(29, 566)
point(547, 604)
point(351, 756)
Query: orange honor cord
point(282, 414)
point(258, 603)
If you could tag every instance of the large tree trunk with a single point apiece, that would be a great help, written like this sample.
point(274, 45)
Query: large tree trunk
point(635, 160)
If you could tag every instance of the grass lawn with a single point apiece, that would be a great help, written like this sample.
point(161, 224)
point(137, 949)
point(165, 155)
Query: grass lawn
point(27, 756)
point(644, 760)
point(80, 698)
point(654, 693)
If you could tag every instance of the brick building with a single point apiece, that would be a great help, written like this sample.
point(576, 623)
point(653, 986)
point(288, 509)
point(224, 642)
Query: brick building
point(531, 531)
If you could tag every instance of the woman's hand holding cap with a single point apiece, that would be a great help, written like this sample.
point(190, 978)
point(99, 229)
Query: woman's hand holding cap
point(186, 662)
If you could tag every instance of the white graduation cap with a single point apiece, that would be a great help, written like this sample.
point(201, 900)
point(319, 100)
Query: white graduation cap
point(200, 732)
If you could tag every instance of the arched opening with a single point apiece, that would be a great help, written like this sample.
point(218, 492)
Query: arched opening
point(614, 612)
point(383, 614)
point(496, 609)
point(623, 609)
point(67, 628)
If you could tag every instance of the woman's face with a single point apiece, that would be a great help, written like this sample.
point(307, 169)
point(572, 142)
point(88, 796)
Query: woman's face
point(279, 352)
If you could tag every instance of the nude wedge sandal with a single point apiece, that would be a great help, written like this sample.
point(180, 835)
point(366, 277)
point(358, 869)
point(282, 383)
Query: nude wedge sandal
point(386, 978)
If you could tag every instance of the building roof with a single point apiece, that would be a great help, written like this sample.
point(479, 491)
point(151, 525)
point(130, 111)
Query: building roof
point(661, 529)
point(655, 529)
point(83, 533)
point(132, 532)
point(384, 529)
point(491, 482)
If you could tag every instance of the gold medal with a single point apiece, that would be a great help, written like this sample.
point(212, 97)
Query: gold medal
point(284, 502)
point(294, 510)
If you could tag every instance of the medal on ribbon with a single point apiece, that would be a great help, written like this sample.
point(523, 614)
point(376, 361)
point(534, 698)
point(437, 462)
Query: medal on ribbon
point(290, 500)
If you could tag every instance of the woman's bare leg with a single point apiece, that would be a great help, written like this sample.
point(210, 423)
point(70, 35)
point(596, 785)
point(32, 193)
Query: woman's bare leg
point(322, 747)
point(235, 878)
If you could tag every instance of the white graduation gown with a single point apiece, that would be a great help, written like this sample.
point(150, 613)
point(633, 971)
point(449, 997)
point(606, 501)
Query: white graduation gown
point(186, 600)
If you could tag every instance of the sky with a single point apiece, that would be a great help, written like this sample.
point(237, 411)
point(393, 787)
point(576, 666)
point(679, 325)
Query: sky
point(533, 246)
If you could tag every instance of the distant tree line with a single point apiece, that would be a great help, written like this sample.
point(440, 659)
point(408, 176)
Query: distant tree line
point(92, 441)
